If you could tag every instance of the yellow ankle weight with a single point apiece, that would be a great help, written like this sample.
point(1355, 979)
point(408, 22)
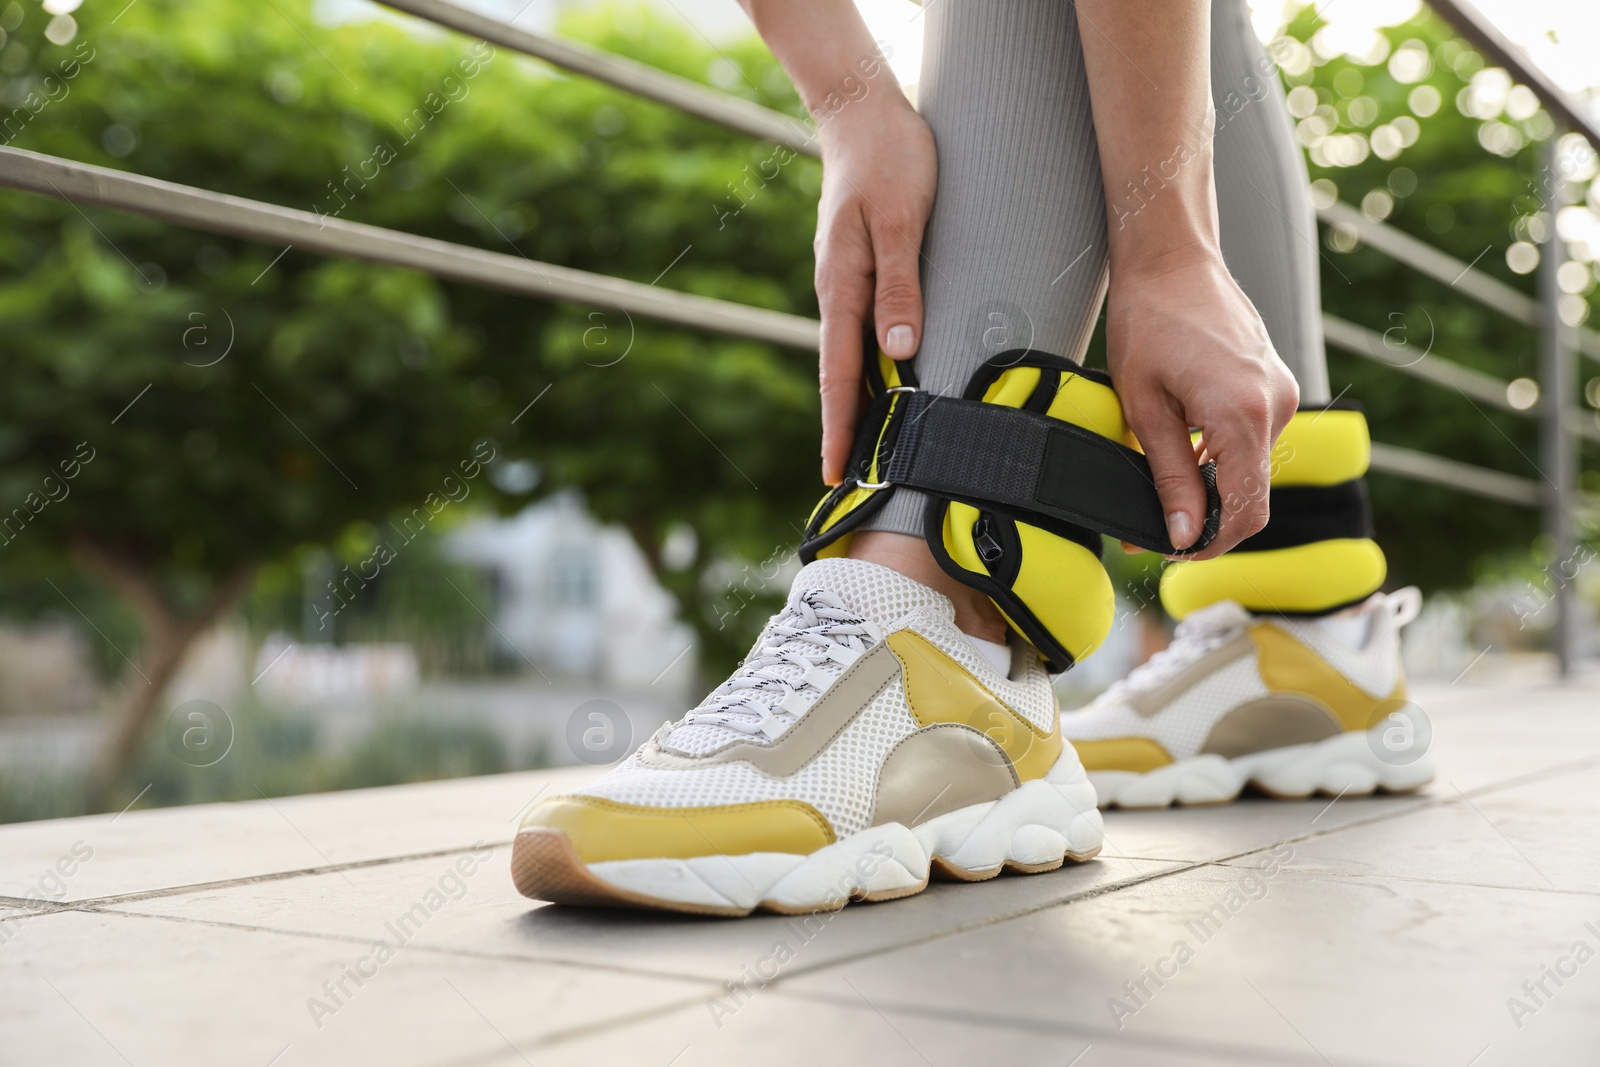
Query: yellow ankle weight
point(1316, 553)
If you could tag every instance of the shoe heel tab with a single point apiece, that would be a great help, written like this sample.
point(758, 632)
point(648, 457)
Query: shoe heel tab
point(1404, 605)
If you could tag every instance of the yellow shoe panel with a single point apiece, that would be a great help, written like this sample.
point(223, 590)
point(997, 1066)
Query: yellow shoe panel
point(602, 830)
point(1136, 754)
point(1287, 666)
point(938, 689)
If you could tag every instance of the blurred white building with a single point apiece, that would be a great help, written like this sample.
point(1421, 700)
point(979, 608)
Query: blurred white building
point(577, 597)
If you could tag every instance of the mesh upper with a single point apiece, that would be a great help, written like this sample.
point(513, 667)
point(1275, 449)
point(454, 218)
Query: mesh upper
point(840, 783)
point(1183, 725)
point(878, 593)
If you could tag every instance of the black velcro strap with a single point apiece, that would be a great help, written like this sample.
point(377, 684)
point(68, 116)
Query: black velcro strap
point(1027, 463)
point(1302, 514)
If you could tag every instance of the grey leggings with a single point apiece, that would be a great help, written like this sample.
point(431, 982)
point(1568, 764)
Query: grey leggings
point(1016, 250)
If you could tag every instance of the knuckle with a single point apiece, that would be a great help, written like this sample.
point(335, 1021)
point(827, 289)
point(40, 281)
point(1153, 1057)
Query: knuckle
point(898, 293)
point(895, 215)
point(1288, 400)
point(1171, 481)
point(1255, 408)
point(1250, 519)
point(835, 380)
point(1142, 407)
point(831, 385)
point(836, 292)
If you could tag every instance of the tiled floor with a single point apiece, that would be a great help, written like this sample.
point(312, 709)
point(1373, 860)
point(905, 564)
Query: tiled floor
point(381, 927)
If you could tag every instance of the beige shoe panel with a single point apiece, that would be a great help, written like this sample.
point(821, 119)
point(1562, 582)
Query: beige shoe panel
point(823, 721)
point(1271, 722)
point(1150, 702)
point(939, 769)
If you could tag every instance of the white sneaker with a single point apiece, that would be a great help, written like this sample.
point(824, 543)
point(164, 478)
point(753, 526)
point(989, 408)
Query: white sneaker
point(862, 745)
point(1292, 706)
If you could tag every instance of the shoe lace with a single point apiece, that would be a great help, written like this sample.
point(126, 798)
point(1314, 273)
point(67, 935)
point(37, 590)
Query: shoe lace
point(1201, 632)
point(768, 691)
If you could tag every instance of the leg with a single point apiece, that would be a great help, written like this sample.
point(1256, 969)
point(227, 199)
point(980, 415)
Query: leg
point(1269, 231)
point(1015, 254)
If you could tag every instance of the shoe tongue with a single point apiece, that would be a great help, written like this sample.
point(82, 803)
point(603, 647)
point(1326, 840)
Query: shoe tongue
point(1223, 614)
point(871, 591)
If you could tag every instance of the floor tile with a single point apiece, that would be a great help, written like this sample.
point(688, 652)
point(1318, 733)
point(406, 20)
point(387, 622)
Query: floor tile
point(1203, 834)
point(1298, 966)
point(772, 1029)
point(1539, 835)
point(87, 989)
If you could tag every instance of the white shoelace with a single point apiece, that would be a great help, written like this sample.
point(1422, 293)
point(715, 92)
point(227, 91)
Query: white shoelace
point(1204, 630)
point(770, 690)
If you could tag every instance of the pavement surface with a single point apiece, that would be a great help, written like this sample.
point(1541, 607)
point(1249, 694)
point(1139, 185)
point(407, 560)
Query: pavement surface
point(1456, 927)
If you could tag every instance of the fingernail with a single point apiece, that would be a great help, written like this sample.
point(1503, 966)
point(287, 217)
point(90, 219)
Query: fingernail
point(900, 342)
point(1180, 529)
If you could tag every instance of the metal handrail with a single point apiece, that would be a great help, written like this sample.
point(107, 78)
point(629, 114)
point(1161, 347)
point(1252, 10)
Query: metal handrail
point(687, 96)
point(1422, 257)
point(1480, 481)
point(1436, 370)
point(1360, 341)
point(81, 183)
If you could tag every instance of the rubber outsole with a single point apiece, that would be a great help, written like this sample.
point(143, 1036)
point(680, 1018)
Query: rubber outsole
point(1344, 765)
point(1036, 828)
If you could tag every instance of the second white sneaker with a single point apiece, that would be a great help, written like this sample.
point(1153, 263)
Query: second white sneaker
point(1291, 706)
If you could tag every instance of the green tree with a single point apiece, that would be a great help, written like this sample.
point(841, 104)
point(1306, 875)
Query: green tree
point(225, 407)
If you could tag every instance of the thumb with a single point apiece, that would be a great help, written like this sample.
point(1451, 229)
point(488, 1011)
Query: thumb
point(1164, 435)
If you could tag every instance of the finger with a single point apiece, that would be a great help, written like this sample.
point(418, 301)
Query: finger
point(843, 303)
point(1164, 435)
point(897, 302)
point(1241, 446)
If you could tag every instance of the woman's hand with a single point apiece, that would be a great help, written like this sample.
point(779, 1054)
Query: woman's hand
point(1187, 349)
point(878, 178)
point(1184, 343)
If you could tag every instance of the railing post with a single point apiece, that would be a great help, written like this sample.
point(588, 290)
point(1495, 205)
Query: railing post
point(1557, 446)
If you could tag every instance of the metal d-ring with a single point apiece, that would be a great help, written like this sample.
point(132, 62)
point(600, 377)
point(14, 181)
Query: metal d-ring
point(873, 486)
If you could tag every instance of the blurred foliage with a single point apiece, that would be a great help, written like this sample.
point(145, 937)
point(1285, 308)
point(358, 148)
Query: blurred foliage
point(1447, 190)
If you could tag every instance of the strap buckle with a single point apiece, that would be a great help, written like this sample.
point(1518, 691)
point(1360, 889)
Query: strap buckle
point(873, 486)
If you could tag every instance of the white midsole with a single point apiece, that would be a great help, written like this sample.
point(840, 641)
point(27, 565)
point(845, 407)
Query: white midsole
point(1345, 764)
point(1039, 823)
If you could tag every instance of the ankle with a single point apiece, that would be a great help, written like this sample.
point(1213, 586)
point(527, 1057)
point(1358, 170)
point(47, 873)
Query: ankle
point(976, 614)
